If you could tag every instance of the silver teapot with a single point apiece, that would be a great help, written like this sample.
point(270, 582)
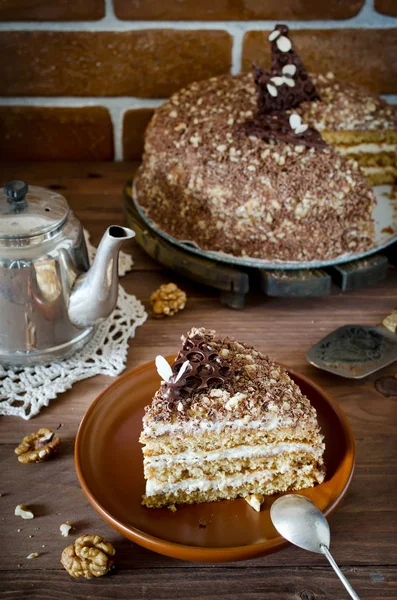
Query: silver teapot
point(51, 300)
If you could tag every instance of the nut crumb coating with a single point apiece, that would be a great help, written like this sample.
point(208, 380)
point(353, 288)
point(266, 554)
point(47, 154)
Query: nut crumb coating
point(204, 180)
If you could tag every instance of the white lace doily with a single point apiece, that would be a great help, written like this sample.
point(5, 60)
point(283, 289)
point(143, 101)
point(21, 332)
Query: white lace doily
point(23, 392)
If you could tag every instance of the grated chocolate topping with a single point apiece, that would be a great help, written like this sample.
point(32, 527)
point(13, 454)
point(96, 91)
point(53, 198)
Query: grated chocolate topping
point(206, 370)
point(236, 194)
point(258, 389)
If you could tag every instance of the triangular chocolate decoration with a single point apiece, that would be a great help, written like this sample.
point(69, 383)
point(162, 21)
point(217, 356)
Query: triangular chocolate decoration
point(288, 83)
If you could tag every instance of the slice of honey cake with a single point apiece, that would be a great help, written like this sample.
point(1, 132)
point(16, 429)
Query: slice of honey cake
point(227, 422)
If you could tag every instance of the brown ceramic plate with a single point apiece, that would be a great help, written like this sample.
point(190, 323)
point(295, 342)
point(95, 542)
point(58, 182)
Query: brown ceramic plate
point(110, 469)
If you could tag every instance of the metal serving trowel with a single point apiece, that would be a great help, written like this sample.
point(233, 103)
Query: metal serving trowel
point(355, 351)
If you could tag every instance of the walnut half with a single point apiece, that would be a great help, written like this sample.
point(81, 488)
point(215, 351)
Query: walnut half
point(38, 446)
point(167, 300)
point(88, 557)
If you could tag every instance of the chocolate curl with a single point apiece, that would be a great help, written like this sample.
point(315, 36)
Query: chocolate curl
point(288, 84)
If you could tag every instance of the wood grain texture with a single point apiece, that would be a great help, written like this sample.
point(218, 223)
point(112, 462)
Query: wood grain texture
point(364, 529)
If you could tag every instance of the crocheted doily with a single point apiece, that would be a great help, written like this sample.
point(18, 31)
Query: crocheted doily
point(24, 391)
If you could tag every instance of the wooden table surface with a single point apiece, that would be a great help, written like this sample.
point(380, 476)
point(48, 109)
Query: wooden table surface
point(364, 529)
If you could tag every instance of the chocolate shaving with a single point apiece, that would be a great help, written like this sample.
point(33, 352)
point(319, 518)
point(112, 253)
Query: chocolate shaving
point(206, 370)
point(287, 97)
point(276, 127)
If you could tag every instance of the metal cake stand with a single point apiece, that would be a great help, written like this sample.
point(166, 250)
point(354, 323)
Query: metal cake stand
point(232, 276)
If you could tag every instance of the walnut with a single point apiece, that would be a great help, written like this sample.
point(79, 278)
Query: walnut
point(88, 557)
point(38, 446)
point(167, 300)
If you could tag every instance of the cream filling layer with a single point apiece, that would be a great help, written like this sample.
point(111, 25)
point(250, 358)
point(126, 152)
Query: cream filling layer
point(375, 170)
point(370, 148)
point(203, 484)
point(243, 451)
point(157, 429)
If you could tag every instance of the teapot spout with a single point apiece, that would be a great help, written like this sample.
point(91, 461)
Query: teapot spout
point(94, 294)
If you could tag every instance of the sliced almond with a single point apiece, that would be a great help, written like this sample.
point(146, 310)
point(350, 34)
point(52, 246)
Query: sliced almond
point(288, 81)
point(163, 368)
point(301, 129)
point(289, 70)
point(295, 121)
point(283, 44)
point(271, 89)
point(277, 80)
point(274, 35)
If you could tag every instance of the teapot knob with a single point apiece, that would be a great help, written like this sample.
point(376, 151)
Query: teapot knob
point(16, 190)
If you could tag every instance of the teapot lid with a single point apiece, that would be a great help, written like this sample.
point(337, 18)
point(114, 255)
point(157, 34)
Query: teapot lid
point(29, 211)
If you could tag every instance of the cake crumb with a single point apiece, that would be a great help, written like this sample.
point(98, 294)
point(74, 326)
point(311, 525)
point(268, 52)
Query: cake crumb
point(256, 501)
point(65, 528)
point(23, 511)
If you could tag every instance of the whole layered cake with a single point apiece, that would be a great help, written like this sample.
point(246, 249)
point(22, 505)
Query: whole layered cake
point(227, 422)
point(257, 165)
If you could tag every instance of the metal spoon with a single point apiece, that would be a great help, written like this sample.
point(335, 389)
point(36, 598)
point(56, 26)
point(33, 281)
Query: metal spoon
point(300, 521)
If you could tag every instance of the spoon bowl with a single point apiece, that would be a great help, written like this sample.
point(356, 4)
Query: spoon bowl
point(300, 522)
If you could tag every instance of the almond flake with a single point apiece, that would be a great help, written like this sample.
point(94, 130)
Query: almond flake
point(32, 555)
point(295, 121)
point(290, 82)
point(274, 35)
point(301, 129)
point(283, 44)
point(272, 90)
point(163, 368)
point(289, 70)
point(277, 80)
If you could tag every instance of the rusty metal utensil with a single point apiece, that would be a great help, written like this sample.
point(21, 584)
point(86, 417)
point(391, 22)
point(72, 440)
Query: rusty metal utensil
point(356, 351)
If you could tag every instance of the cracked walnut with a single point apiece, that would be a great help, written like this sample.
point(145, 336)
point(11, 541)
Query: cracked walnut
point(167, 300)
point(38, 446)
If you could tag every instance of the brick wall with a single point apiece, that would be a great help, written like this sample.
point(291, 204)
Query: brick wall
point(80, 78)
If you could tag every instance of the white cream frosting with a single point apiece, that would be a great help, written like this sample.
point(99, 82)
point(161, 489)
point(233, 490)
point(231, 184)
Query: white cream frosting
point(371, 148)
point(156, 429)
point(243, 451)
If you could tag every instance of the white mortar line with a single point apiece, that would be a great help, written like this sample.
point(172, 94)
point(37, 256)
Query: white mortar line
point(367, 18)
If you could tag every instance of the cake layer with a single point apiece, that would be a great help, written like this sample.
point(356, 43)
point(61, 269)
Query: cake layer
point(179, 471)
point(380, 175)
point(202, 490)
point(207, 442)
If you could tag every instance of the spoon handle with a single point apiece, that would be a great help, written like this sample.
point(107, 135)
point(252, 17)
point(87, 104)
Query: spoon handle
point(339, 573)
